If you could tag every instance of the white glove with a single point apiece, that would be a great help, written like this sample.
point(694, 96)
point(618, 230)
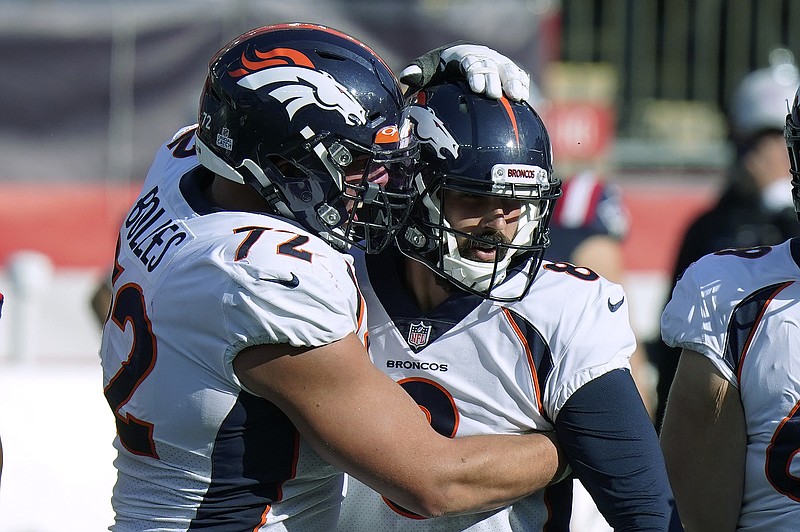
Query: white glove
point(487, 71)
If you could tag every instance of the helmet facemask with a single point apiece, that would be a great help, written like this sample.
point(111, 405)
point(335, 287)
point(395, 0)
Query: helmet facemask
point(377, 195)
point(792, 135)
point(369, 189)
point(478, 261)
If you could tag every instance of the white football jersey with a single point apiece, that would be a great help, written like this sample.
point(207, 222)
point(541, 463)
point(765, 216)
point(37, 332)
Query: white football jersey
point(740, 309)
point(193, 286)
point(481, 367)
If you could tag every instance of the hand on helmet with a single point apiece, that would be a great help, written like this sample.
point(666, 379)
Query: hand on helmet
point(487, 71)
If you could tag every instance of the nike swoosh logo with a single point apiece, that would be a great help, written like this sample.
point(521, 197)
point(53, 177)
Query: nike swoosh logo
point(289, 283)
point(613, 307)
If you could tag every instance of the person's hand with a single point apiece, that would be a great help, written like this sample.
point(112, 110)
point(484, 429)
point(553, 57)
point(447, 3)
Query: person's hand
point(487, 71)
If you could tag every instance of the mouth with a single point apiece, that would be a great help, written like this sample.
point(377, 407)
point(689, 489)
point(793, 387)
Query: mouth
point(482, 252)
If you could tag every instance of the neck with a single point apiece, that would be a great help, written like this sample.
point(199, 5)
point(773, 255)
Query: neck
point(235, 197)
point(428, 290)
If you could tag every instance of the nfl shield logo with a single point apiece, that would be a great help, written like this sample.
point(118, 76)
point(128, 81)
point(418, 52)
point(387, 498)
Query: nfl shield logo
point(418, 335)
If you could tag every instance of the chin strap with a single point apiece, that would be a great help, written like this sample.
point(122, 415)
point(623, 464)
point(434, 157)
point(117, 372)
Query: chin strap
point(256, 177)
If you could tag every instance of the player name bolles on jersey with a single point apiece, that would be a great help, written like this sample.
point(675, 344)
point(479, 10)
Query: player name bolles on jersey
point(150, 232)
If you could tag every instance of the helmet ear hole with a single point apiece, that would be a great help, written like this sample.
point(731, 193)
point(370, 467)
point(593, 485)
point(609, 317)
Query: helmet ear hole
point(286, 167)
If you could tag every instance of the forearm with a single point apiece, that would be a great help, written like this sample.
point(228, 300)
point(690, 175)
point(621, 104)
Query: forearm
point(612, 447)
point(495, 471)
point(388, 443)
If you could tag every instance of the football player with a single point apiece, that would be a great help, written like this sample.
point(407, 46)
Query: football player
point(754, 206)
point(731, 428)
point(234, 356)
point(489, 338)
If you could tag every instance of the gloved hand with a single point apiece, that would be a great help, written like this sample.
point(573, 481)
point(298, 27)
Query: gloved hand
point(487, 71)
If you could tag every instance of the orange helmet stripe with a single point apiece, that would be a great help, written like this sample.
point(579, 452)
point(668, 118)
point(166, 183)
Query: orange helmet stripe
point(513, 118)
point(308, 26)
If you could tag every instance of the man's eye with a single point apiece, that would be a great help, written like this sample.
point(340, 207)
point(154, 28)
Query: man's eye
point(472, 197)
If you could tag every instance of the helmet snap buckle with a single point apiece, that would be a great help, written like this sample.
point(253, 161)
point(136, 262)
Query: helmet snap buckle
point(329, 215)
point(415, 237)
point(340, 155)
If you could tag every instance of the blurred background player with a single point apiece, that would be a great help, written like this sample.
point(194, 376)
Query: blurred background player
point(731, 429)
point(755, 206)
point(487, 338)
point(233, 356)
point(589, 224)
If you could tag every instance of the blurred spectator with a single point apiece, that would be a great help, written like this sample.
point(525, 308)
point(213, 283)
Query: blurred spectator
point(588, 226)
point(100, 300)
point(755, 206)
point(589, 223)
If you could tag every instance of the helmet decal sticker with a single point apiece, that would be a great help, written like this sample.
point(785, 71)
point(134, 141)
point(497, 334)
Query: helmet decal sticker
point(519, 180)
point(224, 140)
point(298, 85)
point(429, 129)
point(275, 57)
point(388, 135)
point(507, 107)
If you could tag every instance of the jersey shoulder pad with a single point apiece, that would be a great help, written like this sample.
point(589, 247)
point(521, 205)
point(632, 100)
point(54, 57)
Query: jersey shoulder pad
point(572, 301)
point(288, 284)
point(707, 292)
point(584, 321)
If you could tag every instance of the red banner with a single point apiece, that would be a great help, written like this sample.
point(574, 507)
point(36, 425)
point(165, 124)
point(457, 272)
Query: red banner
point(579, 130)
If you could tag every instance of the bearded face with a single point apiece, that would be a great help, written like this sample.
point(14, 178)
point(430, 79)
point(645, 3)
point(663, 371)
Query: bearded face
point(488, 220)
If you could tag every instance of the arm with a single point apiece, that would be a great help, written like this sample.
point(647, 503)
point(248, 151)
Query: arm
point(611, 445)
point(362, 422)
point(704, 439)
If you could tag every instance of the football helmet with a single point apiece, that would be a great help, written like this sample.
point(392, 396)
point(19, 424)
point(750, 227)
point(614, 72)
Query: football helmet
point(314, 121)
point(481, 147)
point(792, 135)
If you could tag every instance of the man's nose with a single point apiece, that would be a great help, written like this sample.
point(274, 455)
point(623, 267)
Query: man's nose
point(379, 175)
point(495, 216)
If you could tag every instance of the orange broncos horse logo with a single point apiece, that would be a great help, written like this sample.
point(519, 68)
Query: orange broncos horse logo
point(292, 79)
